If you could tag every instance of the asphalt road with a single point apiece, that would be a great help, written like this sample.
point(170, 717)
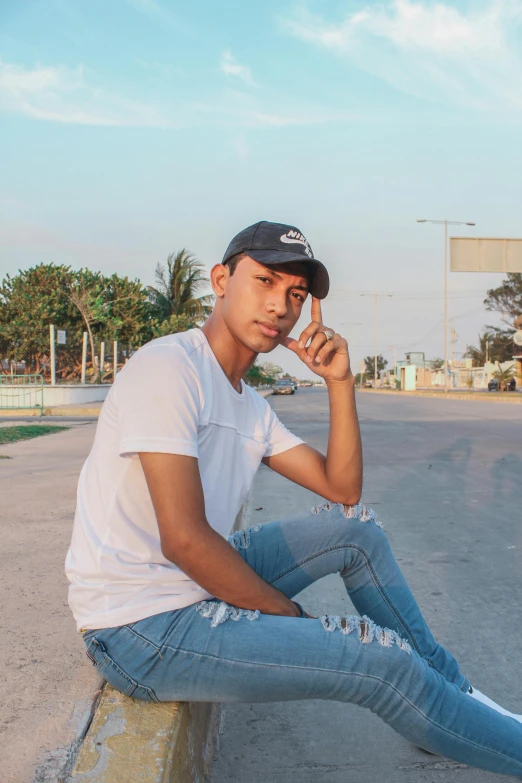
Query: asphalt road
point(445, 477)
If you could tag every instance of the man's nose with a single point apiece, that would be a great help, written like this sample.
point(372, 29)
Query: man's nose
point(277, 305)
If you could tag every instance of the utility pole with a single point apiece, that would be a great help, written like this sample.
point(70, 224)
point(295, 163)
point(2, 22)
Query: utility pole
point(376, 331)
point(102, 359)
point(53, 354)
point(84, 355)
point(114, 360)
point(446, 223)
point(454, 338)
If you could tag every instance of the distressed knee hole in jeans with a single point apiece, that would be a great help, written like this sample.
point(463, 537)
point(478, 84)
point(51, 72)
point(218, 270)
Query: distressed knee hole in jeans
point(360, 512)
point(241, 538)
point(219, 612)
point(367, 630)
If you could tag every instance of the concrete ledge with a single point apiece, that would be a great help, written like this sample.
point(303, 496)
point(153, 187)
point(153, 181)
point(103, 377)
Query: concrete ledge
point(87, 409)
point(131, 740)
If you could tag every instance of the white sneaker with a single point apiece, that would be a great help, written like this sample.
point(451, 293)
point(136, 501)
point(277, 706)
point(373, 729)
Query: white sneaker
point(476, 694)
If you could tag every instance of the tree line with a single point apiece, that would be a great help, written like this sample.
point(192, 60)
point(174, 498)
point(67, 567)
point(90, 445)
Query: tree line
point(108, 308)
point(495, 344)
point(112, 308)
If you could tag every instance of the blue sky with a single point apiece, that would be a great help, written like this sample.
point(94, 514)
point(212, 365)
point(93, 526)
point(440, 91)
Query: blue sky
point(132, 128)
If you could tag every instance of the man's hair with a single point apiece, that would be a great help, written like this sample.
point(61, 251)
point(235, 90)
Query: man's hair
point(234, 260)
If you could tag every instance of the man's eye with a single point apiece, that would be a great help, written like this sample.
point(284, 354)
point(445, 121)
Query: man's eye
point(265, 279)
point(299, 297)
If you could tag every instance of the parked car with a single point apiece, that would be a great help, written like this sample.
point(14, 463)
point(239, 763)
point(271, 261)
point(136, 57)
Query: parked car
point(493, 385)
point(306, 383)
point(284, 386)
point(368, 384)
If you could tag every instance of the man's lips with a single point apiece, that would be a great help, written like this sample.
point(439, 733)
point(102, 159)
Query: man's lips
point(268, 329)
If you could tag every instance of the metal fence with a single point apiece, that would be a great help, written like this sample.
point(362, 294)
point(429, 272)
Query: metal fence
point(21, 391)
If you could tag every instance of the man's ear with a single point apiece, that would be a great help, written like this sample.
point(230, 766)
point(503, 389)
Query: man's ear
point(219, 275)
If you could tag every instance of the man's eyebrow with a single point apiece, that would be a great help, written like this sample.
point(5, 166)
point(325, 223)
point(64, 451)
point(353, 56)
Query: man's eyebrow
point(276, 274)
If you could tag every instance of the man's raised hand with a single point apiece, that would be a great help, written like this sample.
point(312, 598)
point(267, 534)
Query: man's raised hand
point(328, 358)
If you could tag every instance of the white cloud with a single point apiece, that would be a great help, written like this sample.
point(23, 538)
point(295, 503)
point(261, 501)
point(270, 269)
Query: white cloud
point(62, 94)
point(230, 67)
point(67, 95)
point(429, 49)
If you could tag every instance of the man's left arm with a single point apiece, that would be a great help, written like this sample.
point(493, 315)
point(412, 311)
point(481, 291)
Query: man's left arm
point(338, 476)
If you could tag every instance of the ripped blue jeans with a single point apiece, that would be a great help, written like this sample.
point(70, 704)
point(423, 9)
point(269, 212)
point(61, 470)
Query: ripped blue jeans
point(385, 658)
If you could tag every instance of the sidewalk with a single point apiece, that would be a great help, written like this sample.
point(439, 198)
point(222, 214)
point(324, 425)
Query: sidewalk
point(476, 396)
point(47, 685)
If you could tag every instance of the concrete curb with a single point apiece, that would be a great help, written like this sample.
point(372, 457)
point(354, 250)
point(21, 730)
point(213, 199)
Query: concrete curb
point(131, 741)
point(480, 396)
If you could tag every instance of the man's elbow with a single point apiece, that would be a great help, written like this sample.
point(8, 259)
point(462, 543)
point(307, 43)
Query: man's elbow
point(177, 550)
point(348, 498)
point(352, 499)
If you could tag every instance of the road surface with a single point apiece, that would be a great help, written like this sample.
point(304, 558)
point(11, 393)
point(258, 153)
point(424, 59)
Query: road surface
point(445, 477)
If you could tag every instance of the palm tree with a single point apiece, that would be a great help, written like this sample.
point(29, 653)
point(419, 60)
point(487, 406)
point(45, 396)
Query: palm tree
point(499, 349)
point(177, 288)
point(478, 354)
point(504, 376)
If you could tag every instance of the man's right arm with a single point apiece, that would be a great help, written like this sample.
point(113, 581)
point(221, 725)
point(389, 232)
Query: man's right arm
point(194, 546)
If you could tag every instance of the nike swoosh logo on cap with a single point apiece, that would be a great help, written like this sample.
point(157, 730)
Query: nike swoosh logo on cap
point(290, 241)
point(299, 240)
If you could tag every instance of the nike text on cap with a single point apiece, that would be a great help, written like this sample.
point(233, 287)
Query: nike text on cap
point(277, 243)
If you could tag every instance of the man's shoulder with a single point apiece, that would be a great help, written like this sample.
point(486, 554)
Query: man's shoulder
point(173, 358)
point(186, 343)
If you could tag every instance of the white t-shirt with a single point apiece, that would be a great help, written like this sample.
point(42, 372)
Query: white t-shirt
point(171, 397)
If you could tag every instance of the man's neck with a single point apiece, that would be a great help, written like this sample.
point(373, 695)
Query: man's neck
point(234, 358)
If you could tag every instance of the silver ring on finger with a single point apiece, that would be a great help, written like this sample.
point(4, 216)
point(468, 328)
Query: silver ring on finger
point(328, 334)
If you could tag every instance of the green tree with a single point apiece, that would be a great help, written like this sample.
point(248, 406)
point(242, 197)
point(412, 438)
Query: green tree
point(178, 286)
point(437, 364)
point(30, 302)
point(271, 371)
point(255, 376)
point(369, 362)
point(108, 308)
point(262, 375)
point(494, 343)
point(173, 324)
point(504, 376)
point(127, 312)
point(507, 298)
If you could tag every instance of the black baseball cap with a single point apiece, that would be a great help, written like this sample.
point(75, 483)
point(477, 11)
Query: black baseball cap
point(278, 243)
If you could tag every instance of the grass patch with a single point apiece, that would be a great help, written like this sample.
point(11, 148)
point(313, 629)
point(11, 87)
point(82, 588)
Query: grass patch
point(27, 431)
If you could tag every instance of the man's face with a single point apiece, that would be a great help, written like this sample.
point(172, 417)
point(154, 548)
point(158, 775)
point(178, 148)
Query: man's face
point(262, 304)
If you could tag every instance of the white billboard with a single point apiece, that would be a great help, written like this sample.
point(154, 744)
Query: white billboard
point(484, 254)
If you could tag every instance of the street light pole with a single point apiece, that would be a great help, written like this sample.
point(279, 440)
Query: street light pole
point(446, 223)
point(376, 332)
